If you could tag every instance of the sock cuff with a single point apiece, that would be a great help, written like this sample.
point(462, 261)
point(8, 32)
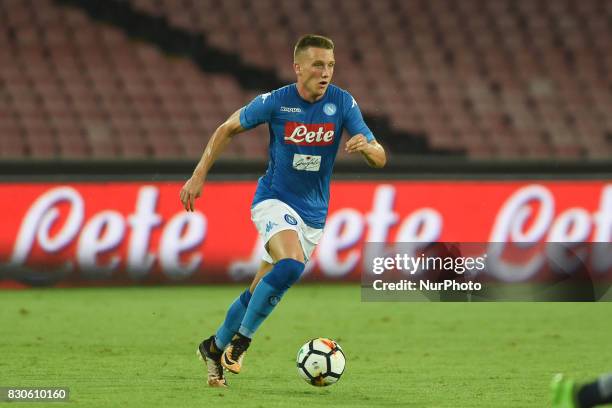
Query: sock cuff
point(245, 297)
point(219, 343)
point(604, 384)
point(285, 273)
point(246, 332)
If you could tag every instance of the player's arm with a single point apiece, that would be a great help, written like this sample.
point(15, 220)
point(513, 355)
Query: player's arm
point(219, 140)
point(363, 140)
point(373, 153)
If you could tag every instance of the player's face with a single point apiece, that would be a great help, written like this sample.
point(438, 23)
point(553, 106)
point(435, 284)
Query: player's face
point(314, 68)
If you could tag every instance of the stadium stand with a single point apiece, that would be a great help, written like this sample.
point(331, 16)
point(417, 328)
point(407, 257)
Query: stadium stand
point(503, 79)
point(76, 89)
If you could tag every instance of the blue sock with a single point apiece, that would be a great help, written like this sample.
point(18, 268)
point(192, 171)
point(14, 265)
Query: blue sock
point(268, 293)
point(233, 318)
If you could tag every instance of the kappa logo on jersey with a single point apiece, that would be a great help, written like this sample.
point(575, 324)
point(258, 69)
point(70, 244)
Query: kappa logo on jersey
point(311, 134)
point(270, 225)
point(290, 110)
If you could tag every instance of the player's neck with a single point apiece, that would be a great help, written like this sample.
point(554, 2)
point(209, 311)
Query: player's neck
point(307, 96)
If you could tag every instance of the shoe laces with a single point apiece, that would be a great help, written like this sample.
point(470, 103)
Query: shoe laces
point(239, 347)
point(219, 370)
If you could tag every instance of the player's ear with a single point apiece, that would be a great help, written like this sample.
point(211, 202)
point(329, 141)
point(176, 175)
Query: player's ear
point(296, 68)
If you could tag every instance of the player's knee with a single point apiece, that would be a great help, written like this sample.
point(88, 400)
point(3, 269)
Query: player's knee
point(298, 255)
point(285, 273)
point(285, 244)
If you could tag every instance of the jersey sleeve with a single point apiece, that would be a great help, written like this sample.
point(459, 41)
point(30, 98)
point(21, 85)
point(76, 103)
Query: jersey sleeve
point(353, 120)
point(258, 111)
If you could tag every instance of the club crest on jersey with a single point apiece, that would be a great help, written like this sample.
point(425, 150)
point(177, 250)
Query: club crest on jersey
point(329, 109)
point(310, 134)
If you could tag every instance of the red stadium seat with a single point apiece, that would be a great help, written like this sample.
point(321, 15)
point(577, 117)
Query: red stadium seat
point(475, 65)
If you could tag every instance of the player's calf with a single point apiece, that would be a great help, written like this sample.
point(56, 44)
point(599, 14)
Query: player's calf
point(266, 296)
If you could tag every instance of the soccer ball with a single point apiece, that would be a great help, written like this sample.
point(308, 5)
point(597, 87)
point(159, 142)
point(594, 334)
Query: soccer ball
point(321, 362)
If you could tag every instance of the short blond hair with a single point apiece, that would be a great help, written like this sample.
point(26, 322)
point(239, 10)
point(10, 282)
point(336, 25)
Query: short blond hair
point(312, 40)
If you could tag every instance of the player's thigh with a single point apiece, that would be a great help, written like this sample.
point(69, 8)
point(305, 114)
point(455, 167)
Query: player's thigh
point(264, 268)
point(285, 244)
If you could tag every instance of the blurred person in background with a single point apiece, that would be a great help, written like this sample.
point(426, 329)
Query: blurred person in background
point(568, 394)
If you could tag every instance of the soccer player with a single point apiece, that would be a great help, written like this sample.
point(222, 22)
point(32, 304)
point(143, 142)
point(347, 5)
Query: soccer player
point(305, 121)
point(566, 394)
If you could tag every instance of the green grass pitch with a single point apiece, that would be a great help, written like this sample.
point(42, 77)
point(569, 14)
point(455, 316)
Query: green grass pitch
point(135, 347)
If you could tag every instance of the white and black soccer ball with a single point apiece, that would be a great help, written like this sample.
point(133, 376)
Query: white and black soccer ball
point(321, 362)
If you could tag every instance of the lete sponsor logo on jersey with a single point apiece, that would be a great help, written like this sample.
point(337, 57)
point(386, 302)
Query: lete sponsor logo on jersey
point(309, 134)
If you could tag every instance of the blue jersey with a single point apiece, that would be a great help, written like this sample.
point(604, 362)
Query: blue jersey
point(304, 141)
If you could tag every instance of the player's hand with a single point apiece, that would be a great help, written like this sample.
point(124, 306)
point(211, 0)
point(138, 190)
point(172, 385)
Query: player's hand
point(357, 143)
point(190, 191)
